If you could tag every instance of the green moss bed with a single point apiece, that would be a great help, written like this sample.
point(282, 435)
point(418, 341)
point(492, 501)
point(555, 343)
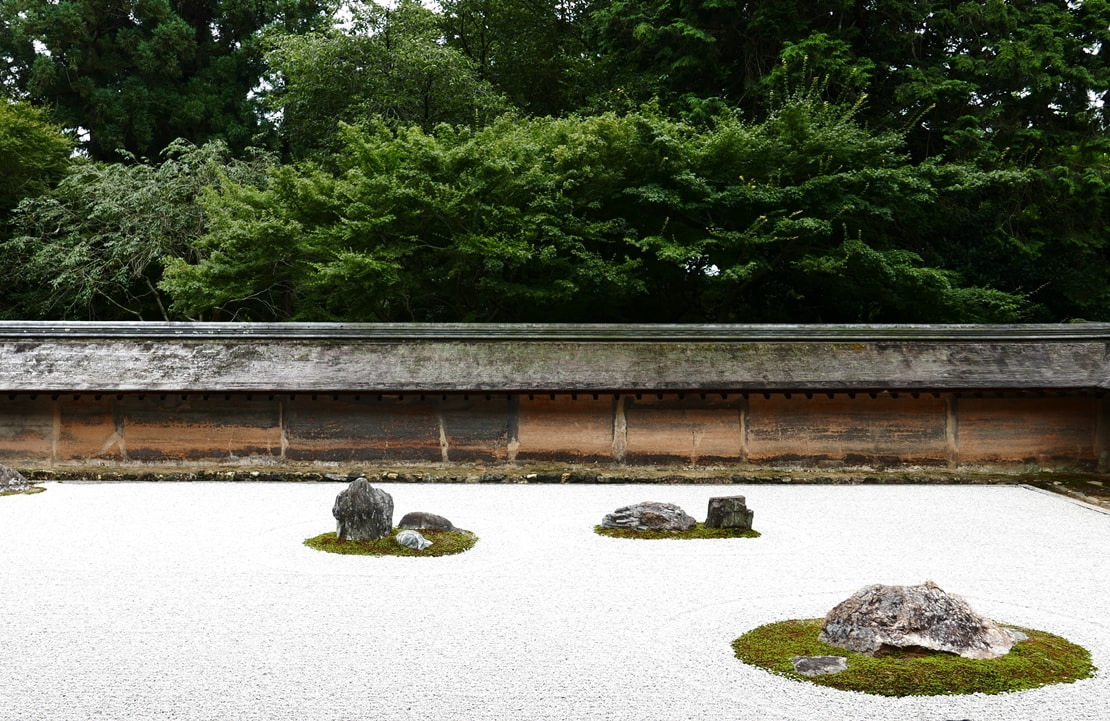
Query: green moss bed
point(1041, 660)
point(698, 531)
point(29, 492)
point(444, 543)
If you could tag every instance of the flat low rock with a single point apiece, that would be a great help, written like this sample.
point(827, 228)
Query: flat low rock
point(12, 481)
point(413, 539)
point(819, 665)
point(422, 521)
point(362, 512)
point(880, 617)
point(649, 516)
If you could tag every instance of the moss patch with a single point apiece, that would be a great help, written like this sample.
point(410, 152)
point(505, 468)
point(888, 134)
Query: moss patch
point(698, 531)
point(1041, 660)
point(1089, 490)
point(444, 543)
point(29, 492)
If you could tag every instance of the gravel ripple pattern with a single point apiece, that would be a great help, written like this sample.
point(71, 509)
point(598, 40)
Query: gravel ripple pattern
point(199, 601)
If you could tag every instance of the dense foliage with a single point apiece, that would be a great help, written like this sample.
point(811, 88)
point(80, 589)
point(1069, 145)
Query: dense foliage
point(544, 160)
point(94, 246)
point(33, 153)
point(137, 74)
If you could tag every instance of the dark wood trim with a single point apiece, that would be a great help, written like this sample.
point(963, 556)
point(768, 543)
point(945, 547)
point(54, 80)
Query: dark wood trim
point(584, 333)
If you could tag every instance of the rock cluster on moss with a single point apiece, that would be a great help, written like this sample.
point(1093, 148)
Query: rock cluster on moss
point(12, 481)
point(879, 617)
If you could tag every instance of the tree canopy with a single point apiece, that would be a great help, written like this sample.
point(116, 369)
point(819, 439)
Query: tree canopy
point(93, 247)
point(631, 217)
point(556, 160)
point(34, 153)
point(389, 63)
point(134, 75)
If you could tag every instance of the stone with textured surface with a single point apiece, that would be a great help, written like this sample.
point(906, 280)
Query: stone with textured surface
point(412, 539)
point(362, 512)
point(819, 665)
point(419, 520)
point(729, 512)
point(12, 481)
point(649, 516)
point(880, 617)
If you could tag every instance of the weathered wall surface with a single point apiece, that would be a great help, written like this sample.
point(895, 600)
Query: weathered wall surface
point(334, 395)
point(676, 429)
point(400, 358)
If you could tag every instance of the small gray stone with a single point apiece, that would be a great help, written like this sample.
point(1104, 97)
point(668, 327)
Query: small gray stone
point(729, 512)
point(12, 481)
point(421, 521)
point(362, 512)
point(412, 539)
point(649, 516)
point(819, 665)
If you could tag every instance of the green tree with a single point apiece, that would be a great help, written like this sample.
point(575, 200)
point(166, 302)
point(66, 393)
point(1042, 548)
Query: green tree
point(809, 216)
point(539, 53)
point(136, 74)
point(1004, 86)
point(957, 74)
point(637, 217)
point(93, 247)
point(687, 52)
point(390, 63)
point(34, 154)
point(256, 261)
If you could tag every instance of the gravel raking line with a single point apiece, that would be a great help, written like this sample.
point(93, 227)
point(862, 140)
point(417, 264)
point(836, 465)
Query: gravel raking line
point(199, 601)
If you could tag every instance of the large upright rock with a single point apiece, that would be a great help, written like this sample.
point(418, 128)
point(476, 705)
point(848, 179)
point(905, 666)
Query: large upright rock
point(12, 481)
point(649, 516)
point(362, 512)
point(729, 512)
point(878, 617)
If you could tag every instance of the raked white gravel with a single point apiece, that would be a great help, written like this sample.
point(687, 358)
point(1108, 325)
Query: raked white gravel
point(199, 601)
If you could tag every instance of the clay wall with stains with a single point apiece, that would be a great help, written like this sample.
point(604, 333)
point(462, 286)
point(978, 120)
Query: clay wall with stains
point(328, 395)
point(687, 429)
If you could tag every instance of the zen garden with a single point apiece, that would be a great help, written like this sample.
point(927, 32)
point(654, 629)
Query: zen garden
point(760, 351)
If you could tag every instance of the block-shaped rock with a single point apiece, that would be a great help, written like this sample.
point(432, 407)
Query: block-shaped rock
point(729, 512)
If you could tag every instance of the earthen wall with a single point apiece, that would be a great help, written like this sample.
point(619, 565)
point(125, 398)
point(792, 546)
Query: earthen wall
point(688, 429)
point(328, 395)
